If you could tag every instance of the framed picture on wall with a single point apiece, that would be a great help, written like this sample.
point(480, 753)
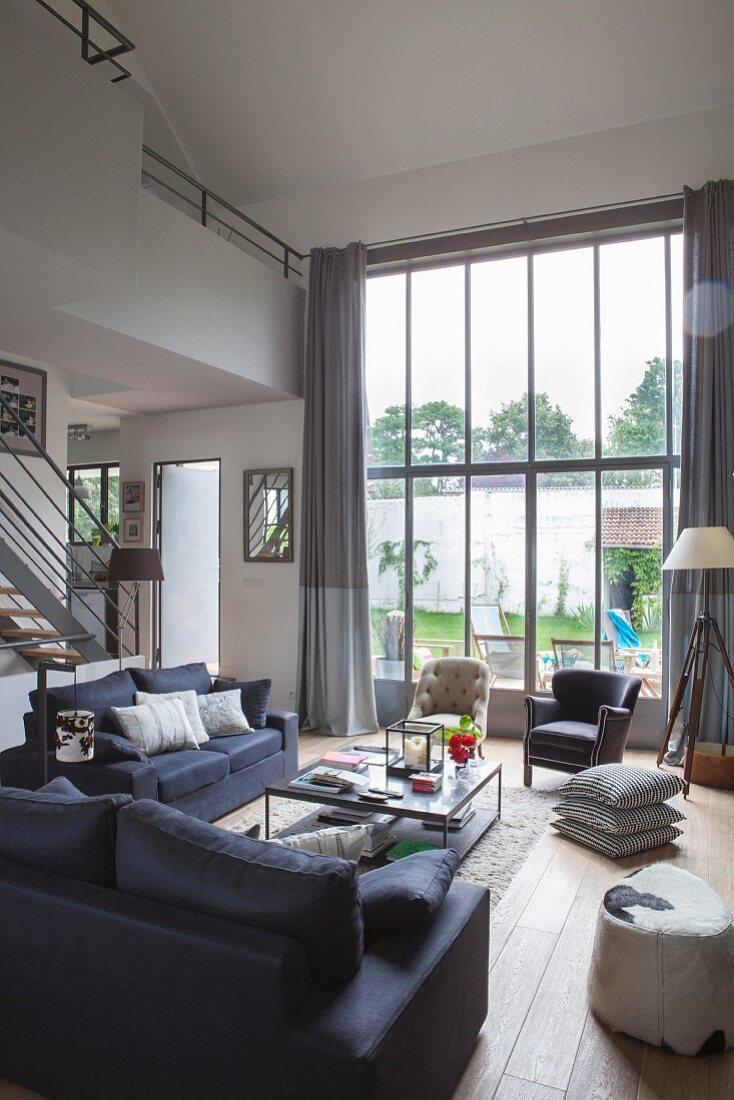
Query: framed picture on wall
point(132, 529)
point(133, 496)
point(23, 405)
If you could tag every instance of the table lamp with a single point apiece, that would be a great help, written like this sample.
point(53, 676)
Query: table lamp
point(134, 564)
point(698, 548)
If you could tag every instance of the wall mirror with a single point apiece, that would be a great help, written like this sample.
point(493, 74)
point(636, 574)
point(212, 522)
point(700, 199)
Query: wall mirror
point(269, 515)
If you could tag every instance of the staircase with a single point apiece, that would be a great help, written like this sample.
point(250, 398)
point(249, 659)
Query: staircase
point(36, 573)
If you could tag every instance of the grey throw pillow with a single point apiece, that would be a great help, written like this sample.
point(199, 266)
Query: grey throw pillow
point(157, 727)
point(221, 714)
point(188, 698)
point(347, 842)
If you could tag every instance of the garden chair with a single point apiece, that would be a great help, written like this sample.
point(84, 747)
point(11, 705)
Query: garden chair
point(579, 653)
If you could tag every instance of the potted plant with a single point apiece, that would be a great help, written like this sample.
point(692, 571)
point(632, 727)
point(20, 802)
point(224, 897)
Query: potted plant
point(390, 633)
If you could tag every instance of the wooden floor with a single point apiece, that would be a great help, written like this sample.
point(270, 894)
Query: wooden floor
point(540, 1041)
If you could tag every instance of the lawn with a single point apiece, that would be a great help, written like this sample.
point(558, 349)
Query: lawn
point(448, 626)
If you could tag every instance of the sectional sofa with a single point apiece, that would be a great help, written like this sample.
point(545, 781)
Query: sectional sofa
point(208, 782)
point(145, 954)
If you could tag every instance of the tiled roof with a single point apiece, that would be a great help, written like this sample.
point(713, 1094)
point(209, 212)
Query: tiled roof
point(638, 527)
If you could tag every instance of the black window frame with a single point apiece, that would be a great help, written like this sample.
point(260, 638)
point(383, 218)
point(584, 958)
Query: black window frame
point(72, 472)
point(667, 462)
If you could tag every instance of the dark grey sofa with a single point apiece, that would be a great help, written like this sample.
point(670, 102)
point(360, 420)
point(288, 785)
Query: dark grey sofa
point(149, 965)
point(223, 774)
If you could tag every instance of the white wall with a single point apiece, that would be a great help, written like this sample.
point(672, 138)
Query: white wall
point(610, 166)
point(71, 150)
point(259, 602)
point(102, 447)
point(57, 402)
point(200, 297)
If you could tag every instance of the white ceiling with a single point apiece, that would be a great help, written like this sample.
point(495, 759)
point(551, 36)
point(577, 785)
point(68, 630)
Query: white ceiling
point(270, 97)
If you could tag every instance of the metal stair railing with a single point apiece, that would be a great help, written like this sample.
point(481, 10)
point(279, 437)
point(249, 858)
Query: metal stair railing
point(16, 525)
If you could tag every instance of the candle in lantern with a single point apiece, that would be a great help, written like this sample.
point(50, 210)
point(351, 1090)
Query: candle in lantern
point(415, 752)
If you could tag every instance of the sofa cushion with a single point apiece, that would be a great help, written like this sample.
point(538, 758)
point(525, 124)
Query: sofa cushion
point(255, 696)
point(99, 696)
point(406, 892)
point(172, 858)
point(59, 829)
point(180, 773)
point(244, 749)
point(157, 681)
point(562, 734)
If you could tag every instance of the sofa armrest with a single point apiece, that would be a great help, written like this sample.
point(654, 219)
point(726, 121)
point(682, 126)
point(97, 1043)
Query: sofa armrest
point(614, 727)
point(540, 710)
point(287, 723)
point(109, 747)
point(131, 777)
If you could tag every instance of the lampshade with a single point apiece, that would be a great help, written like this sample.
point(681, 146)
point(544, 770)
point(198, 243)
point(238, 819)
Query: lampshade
point(135, 564)
point(702, 548)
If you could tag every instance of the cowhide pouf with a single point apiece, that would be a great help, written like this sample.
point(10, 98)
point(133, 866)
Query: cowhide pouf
point(663, 962)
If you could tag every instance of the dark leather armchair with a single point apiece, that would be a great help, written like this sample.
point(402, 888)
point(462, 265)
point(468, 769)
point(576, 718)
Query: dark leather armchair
point(585, 723)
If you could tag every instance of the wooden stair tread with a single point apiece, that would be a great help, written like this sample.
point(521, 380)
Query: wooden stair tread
point(19, 613)
point(5, 591)
point(26, 632)
point(41, 651)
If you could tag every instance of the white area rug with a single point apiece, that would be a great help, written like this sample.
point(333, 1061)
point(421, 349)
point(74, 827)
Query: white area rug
point(497, 857)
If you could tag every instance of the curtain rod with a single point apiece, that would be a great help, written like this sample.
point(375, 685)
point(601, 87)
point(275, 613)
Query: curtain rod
point(528, 220)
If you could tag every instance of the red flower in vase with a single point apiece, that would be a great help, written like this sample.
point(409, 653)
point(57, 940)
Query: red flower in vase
point(462, 747)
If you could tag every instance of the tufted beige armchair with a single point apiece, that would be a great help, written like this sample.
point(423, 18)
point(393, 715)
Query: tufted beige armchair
point(451, 686)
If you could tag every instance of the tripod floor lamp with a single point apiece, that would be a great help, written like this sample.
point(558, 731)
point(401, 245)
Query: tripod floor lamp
point(699, 548)
point(134, 564)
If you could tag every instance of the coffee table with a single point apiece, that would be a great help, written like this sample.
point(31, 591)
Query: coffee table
point(411, 809)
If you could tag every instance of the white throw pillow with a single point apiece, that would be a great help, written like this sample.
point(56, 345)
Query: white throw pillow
point(347, 842)
point(157, 727)
point(221, 713)
point(191, 708)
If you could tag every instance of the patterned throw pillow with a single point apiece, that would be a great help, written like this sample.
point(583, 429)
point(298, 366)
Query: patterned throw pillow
point(188, 698)
point(616, 847)
point(609, 819)
point(157, 727)
point(346, 842)
point(221, 714)
point(622, 785)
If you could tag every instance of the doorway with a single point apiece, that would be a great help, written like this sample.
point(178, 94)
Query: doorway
point(187, 520)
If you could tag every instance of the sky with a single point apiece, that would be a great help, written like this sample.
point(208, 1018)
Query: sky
point(632, 299)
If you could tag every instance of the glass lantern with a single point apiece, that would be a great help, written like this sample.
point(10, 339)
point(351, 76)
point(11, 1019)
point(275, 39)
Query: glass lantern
point(414, 747)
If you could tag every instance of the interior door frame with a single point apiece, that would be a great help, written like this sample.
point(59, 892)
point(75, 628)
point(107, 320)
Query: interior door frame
point(158, 542)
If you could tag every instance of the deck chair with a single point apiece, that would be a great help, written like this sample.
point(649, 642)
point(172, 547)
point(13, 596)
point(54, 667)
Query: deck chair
point(503, 652)
point(579, 653)
point(487, 620)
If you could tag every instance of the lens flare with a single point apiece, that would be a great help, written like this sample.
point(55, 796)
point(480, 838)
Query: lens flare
point(708, 308)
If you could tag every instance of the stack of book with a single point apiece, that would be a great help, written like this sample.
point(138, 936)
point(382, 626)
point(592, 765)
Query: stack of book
point(458, 821)
point(345, 761)
point(426, 782)
point(321, 780)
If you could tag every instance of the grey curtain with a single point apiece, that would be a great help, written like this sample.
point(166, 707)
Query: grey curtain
point(707, 444)
point(335, 692)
